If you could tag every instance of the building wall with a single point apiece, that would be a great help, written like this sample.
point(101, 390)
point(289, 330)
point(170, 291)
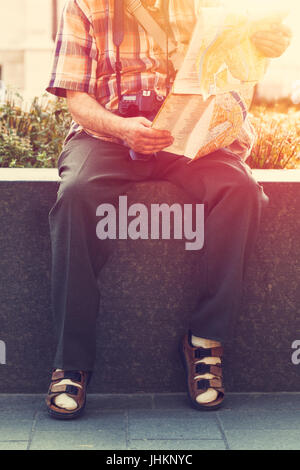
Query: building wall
point(12, 67)
point(26, 44)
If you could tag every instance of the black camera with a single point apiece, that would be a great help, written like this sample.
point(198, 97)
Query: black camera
point(145, 103)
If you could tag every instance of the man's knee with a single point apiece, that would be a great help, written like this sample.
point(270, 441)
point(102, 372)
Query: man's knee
point(246, 187)
point(73, 187)
point(235, 179)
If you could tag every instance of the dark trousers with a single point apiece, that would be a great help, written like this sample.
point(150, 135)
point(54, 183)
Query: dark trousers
point(94, 172)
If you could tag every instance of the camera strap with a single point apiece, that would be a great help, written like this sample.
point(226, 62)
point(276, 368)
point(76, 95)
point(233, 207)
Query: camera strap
point(118, 38)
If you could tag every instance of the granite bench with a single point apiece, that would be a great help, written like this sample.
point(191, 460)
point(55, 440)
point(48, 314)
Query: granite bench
point(148, 289)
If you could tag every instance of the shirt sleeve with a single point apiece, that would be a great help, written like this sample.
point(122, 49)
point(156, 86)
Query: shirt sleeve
point(75, 55)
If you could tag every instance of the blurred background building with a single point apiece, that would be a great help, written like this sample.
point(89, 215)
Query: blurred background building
point(282, 78)
point(27, 32)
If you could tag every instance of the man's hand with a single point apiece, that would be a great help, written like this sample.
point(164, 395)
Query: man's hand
point(140, 137)
point(136, 132)
point(273, 43)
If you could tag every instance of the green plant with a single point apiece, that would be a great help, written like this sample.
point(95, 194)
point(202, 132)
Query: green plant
point(33, 137)
point(278, 138)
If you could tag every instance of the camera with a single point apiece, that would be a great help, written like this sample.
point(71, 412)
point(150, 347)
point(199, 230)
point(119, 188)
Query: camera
point(145, 103)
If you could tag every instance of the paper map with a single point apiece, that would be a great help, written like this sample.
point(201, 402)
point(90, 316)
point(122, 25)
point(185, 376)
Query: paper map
point(214, 86)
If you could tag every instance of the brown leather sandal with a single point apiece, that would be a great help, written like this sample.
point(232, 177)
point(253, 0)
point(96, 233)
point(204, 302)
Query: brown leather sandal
point(191, 357)
point(78, 394)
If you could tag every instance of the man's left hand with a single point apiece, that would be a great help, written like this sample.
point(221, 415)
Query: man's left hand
point(273, 43)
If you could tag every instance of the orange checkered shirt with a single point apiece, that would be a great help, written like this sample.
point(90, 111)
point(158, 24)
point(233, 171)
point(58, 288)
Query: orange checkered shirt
point(84, 58)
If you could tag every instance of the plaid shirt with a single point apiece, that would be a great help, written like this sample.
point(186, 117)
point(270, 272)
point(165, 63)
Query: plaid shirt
point(85, 55)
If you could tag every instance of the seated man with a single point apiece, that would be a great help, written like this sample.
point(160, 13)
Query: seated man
point(96, 166)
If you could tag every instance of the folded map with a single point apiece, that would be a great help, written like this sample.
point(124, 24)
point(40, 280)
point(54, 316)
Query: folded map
point(213, 89)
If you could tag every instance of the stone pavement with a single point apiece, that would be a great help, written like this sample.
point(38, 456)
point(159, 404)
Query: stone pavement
point(154, 422)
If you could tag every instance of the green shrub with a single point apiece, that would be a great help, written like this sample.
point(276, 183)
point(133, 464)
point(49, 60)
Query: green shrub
point(34, 137)
point(278, 138)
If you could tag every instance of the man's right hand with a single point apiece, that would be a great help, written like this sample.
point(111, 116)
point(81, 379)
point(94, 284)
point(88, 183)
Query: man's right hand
point(140, 137)
point(136, 132)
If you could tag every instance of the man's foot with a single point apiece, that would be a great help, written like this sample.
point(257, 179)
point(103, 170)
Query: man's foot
point(202, 361)
point(63, 400)
point(67, 394)
point(211, 394)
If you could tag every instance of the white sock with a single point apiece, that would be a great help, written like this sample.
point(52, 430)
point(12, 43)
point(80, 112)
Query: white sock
point(210, 395)
point(63, 400)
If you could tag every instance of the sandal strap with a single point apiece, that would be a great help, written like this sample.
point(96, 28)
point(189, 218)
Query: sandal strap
point(202, 353)
point(204, 384)
point(202, 369)
point(75, 376)
point(69, 389)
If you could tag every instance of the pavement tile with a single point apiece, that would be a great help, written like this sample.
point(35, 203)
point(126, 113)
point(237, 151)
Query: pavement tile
point(263, 440)
point(171, 401)
point(262, 420)
point(176, 444)
point(14, 405)
point(108, 421)
point(15, 430)
point(119, 402)
point(172, 424)
point(16, 416)
point(262, 401)
point(13, 445)
point(94, 430)
point(79, 440)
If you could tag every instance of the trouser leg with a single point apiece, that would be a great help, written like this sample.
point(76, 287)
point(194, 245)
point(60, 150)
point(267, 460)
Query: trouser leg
point(233, 203)
point(93, 172)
